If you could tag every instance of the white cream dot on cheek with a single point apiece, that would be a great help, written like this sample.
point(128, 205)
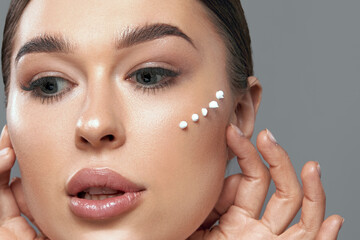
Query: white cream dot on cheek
point(195, 117)
point(204, 112)
point(220, 94)
point(183, 124)
point(213, 104)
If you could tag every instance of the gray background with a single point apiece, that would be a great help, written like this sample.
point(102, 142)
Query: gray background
point(307, 56)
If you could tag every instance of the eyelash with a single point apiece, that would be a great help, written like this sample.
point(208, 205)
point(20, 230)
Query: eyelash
point(168, 75)
point(34, 88)
point(168, 79)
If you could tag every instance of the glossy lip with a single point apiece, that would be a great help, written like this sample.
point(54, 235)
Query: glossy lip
point(107, 208)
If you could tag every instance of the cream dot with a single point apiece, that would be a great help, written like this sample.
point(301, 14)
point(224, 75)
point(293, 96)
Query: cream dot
point(204, 112)
point(183, 124)
point(213, 104)
point(195, 117)
point(220, 94)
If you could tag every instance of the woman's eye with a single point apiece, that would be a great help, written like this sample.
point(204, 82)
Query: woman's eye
point(153, 78)
point(48, 88)
point(148, 77)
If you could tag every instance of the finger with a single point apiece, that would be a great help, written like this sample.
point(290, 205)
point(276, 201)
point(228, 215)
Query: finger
point(313, 206)
point(330, 228)
point(314, 201)
point(226, 200)
point(286, 201)
point(5, 139)
point(255, 180)
point(8, 206)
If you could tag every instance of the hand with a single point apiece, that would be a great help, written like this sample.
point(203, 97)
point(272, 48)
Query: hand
point(12, 225)
point(243, 195)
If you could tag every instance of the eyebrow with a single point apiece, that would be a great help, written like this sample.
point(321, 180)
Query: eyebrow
point(47, 43)
point(146, 33)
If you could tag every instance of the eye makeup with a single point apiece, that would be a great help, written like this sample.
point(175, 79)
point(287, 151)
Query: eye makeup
point(153, 78)
point(204, 111)
point(48, 88)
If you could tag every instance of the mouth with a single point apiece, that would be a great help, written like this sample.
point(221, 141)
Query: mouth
point(101, 194)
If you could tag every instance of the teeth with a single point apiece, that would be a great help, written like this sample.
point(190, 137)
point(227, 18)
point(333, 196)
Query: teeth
point(100, 190)
point(87, 196)
point(100, 196)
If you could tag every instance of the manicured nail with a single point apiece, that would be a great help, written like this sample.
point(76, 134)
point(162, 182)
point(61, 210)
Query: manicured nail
point(319, 169)
point(4, 151)
point(271, 136)
point(237, 130)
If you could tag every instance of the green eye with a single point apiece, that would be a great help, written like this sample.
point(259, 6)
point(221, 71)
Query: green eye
point(148, 77)
point(48, 88)
point(152, 76)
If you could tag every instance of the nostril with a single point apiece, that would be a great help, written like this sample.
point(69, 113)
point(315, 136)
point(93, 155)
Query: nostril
point(83, 140)
point(108, 137)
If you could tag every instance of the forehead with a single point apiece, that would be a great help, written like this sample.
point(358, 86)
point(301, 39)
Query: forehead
point(85, 20)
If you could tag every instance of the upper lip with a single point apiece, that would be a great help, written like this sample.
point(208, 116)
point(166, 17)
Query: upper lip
point(100, 177)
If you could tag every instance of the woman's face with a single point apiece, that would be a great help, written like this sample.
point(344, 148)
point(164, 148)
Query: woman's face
point(103, 112)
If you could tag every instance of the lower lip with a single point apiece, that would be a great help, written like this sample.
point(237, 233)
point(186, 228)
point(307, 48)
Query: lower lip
point(103, 209)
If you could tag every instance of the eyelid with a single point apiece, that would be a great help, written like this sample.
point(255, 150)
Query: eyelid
point(51, 74)
point(154, 65)
point(34, 86)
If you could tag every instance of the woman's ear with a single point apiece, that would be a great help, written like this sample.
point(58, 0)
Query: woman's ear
point(246, 106)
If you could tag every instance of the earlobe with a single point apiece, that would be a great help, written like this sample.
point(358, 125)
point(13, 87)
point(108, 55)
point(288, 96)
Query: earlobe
point(246, 107)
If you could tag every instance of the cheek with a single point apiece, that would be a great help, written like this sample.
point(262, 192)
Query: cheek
point(184, 168)
point(38, 143)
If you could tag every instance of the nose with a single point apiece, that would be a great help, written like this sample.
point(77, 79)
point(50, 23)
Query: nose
point(99, 126)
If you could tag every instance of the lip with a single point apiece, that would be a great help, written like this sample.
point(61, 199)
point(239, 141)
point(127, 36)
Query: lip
point(106, 208)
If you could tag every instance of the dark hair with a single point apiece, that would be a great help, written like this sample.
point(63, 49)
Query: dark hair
point(227, 16)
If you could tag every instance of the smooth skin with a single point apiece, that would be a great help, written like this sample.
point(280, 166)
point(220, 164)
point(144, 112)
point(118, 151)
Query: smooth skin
point(238, 207)
point(54, 140)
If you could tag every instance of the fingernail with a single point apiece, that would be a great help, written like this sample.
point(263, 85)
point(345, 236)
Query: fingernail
point(2, 132)
point(271, 136)
point(4, 151)
point(13, 180)
point(237, 130)
point(319, 169)
point(342, 223)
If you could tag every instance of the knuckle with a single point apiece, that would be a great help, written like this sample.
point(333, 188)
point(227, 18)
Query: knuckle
point(308, 229)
